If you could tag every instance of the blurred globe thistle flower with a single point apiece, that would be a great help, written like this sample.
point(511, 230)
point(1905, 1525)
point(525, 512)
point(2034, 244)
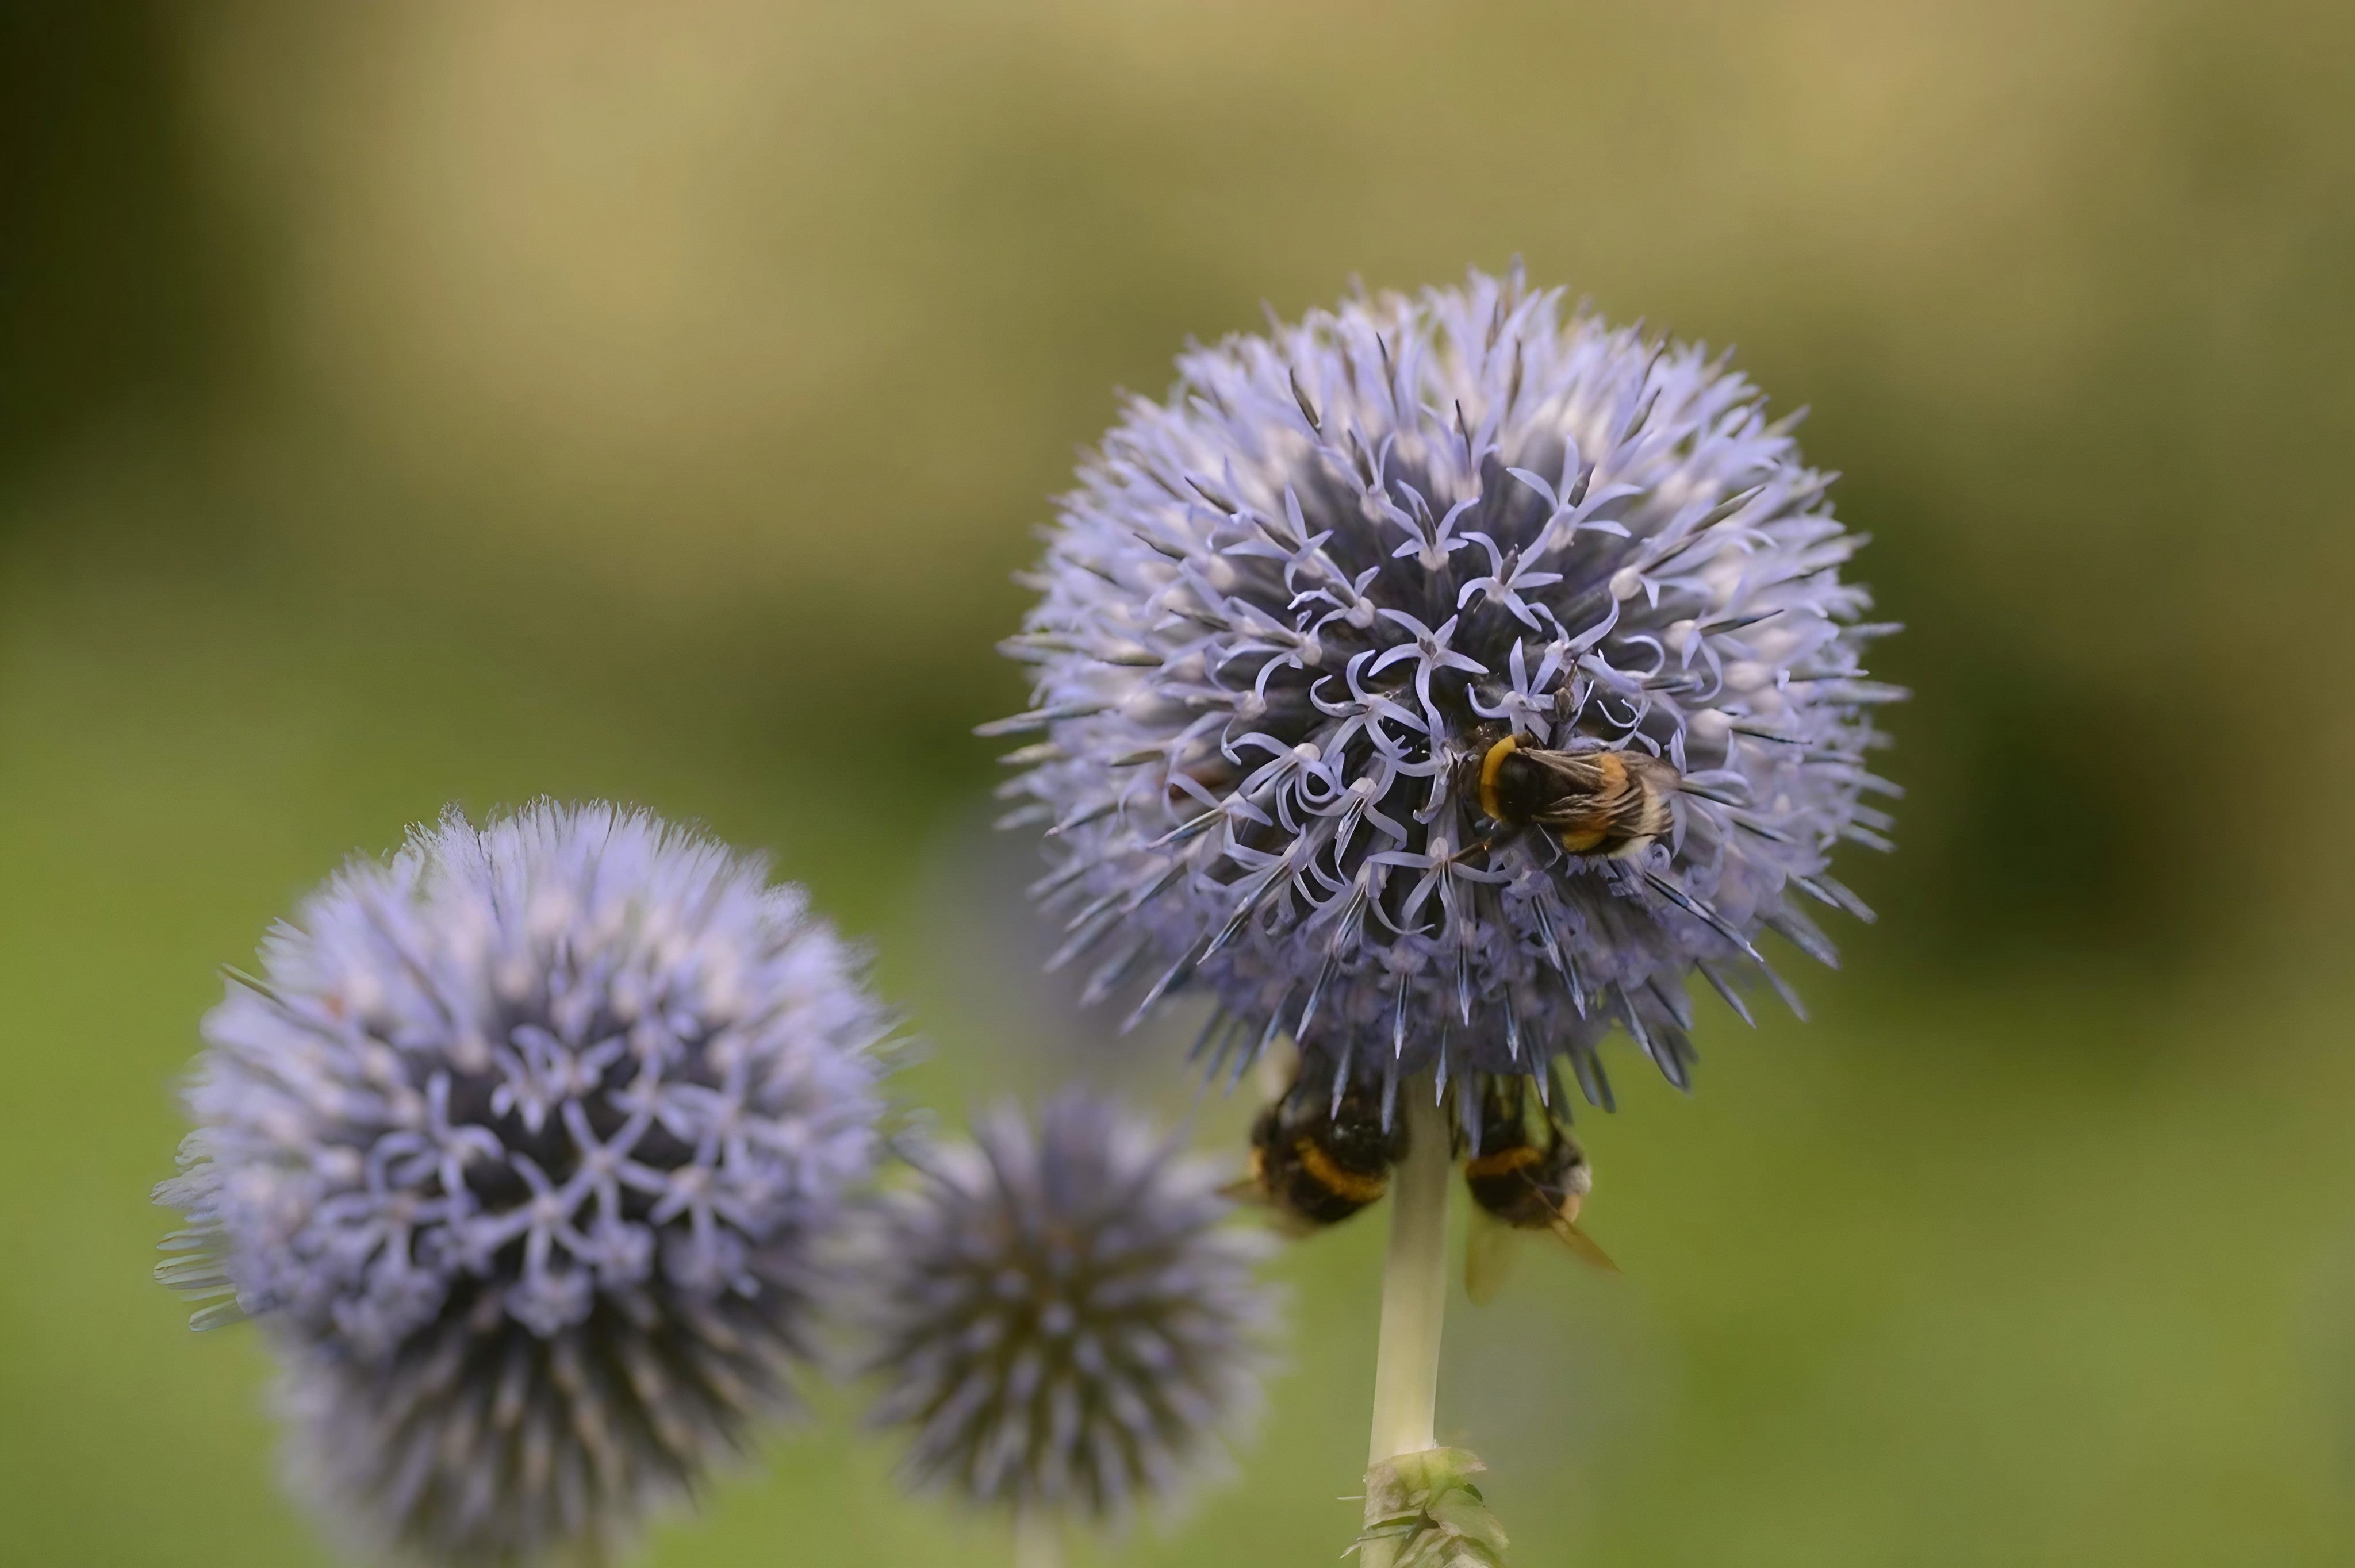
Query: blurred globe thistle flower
point(1063, 1322)
point(520, 1146)
point(1291, 612)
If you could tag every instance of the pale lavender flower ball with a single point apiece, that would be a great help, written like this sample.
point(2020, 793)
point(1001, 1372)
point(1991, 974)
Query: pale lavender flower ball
point(1063, 1322)
point(1289, 602)
point(519, 1147)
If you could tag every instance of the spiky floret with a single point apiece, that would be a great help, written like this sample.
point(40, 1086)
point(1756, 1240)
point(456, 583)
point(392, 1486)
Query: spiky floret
point(1063, 1323)
point(519, 1146)
point(1282, 604)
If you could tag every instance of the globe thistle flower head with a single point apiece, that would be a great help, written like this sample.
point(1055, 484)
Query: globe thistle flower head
point(519, 1146)
point(1291, 612)
point(1065, 1325)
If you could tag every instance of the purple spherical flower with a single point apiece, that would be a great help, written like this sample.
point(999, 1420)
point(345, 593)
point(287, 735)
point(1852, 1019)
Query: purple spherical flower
point(1293, 609)
point(1064, 1324)
point(519, 1146)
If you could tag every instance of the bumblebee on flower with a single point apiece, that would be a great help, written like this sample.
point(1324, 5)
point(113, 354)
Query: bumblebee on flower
point(1440, 682)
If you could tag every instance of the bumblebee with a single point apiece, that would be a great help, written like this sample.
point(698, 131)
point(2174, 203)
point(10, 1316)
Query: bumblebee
point(1315, 1161)
point(1520, 1185)
point(1610, 803)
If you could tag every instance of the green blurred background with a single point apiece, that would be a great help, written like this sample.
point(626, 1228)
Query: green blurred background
point(432, 402)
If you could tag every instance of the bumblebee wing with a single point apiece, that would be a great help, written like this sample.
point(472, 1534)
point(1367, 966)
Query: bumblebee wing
point(1277, 1069)
point(1286, 1223)
point(1571, 815)
point(1585, 794)
point(1651, 769)
point(1253, 1191)
point(1575, 773)
point(1581, 1245)
point(1489, 1255)
point(1579, 769)
point(1254, 1188)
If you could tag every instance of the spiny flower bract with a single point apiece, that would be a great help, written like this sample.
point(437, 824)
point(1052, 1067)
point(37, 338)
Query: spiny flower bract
point(1064, 1323)
point(519, 1146)
point(1286, 604)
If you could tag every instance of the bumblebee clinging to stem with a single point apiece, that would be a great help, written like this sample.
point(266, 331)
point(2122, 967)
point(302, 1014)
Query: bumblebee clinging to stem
point(1315, 1161)
point(1520, 1184)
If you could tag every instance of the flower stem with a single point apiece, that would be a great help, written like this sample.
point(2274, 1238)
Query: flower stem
point(1414, 1284)
point(1038, 1539)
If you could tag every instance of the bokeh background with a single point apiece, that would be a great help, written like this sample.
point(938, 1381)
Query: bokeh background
point(445, 401)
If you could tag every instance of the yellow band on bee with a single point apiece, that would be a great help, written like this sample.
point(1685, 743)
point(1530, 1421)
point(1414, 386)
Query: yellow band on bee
point(1356, 1189)
point(1488, 766)
point(1504, 1162)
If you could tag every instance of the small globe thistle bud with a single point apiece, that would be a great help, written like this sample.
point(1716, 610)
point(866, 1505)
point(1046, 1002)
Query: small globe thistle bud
point(1063, 1322)
point(519, 1147)
point(1442, 680)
